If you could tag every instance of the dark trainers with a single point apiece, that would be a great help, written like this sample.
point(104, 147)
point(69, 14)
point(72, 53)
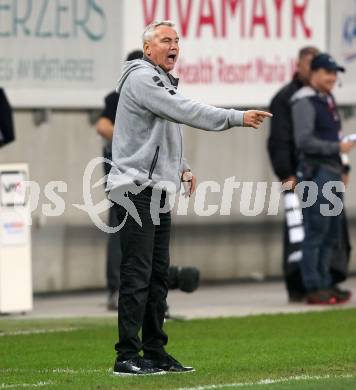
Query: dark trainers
point(137, 366)
point(321, 297)
point(341, 296)
point(169, 364)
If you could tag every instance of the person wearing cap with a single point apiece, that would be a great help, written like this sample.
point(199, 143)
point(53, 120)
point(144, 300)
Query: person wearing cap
point(317, 128)
point(282, 153)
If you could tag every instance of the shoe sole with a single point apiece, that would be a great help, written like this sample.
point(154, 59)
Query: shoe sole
point(179, 372)
point(132, 374)
point(343, 300)
point(330, 302)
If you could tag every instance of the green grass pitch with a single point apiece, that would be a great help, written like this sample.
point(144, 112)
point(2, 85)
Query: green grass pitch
point(295, 351)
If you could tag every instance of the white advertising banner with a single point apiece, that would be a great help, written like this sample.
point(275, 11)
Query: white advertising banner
point(233, 52)
point(343, 47)
point(59, 53)
point(69, 53)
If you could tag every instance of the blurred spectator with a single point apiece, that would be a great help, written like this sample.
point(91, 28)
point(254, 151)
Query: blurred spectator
point(7, 133)
point(283, 156)
point(317, 127)
point(105, 127)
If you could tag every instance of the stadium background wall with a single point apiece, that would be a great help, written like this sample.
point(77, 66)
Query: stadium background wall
point(69, 251)
point(60, 71)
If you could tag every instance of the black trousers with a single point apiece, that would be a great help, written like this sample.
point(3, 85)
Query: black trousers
point(113, 255)
point(113, 247)
point(143, 280)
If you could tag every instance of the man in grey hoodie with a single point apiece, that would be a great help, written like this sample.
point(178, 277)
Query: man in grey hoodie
point(148, 164)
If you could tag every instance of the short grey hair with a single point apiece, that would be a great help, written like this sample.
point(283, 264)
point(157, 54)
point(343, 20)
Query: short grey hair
point(149, 31)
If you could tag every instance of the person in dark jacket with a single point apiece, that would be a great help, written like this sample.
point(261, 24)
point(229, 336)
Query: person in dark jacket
point(282, 153)
point(317, 127)
point(281, 147)
point(105, 128)
point(7, 132)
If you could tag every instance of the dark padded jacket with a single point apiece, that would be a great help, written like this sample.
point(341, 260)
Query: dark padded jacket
point(280, 145)
point(7, 133)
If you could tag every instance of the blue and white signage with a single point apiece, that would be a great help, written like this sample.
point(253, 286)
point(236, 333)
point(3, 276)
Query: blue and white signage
point(343, 46)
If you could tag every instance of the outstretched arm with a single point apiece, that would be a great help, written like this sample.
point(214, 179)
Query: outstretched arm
point(167, 103)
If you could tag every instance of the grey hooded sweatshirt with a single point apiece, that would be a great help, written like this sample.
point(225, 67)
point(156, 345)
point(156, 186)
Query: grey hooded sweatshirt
point(147, 143)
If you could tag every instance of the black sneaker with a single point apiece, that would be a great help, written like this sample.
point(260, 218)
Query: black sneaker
point(169, 364)
point(136, 366)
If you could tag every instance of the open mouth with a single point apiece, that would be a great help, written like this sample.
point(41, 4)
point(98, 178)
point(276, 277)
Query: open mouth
point(172, 58)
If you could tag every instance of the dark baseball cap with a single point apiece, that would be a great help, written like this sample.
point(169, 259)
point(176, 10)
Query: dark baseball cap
point(325, 61)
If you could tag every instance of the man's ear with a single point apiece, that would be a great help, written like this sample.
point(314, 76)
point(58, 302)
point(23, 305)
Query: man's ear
point(147, 49)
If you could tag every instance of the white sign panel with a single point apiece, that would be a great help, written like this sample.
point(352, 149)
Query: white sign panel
point(233, 52)
point(14, 230)
point(59, 53)
point(343, 46)
point(13, 188)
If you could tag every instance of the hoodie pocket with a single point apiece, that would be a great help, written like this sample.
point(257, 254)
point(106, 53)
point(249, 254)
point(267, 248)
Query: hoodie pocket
point(154, 162)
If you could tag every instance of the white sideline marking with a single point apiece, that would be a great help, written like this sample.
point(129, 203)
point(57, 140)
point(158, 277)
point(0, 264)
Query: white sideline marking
point(14, 386)
point(37, 331)
point(71, 371)
point(54, 371)
point(267, 381)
